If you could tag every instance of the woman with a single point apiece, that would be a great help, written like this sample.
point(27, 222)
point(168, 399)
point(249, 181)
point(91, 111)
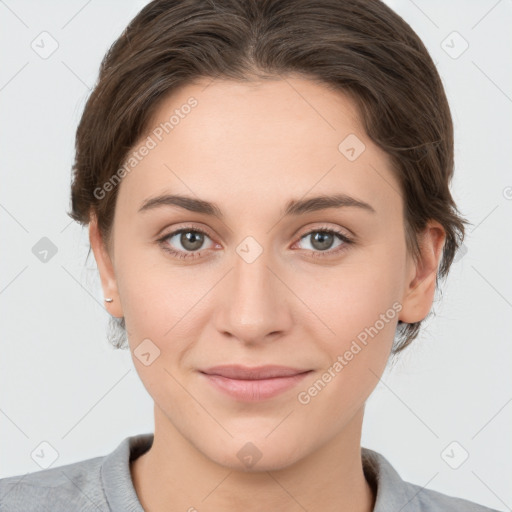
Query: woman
point(266, 185)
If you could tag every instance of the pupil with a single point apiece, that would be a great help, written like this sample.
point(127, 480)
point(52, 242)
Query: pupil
point(324, 239)
point(191, 240)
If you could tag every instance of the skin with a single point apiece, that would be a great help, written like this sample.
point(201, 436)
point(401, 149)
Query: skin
point(251, 148)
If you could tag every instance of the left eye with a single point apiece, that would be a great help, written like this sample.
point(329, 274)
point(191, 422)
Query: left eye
point(322, 240)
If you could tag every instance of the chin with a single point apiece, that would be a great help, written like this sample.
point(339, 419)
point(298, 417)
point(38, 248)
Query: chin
point(256, 455)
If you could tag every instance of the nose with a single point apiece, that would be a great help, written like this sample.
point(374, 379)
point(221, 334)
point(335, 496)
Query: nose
point(254, 303)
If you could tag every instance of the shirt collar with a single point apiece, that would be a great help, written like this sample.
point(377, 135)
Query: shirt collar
point(390, 489)
point(116, 477)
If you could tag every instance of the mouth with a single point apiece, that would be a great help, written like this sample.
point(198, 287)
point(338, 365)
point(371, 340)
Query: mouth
point(251, 384)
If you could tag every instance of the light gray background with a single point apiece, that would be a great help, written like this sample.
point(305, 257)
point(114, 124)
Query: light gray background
point(62, 383)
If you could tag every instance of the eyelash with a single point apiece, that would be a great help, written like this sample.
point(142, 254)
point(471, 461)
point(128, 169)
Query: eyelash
point(315, 254)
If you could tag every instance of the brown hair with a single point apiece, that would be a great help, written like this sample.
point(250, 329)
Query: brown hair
point(359, 47)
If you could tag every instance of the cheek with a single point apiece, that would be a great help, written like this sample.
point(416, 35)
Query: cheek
point(363, 313)
point(154, 292)
point(162, 302)
point(359, 302)
point(352, 295)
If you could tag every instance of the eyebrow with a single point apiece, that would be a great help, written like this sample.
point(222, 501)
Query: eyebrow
point(294, 207)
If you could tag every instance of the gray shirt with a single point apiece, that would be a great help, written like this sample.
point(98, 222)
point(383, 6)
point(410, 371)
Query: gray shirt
point(105, 484)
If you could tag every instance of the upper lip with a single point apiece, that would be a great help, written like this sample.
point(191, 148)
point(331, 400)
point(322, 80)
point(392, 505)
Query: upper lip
point(254, 372)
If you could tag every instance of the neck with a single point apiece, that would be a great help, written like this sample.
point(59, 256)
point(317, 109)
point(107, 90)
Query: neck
point(173, 475)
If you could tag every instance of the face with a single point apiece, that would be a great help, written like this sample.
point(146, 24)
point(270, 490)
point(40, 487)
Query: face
point(263, 274)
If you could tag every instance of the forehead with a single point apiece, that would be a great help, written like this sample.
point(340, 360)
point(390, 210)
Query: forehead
point(271, 140)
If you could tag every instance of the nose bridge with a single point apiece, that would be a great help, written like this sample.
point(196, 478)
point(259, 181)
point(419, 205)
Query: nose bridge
point(254, 306)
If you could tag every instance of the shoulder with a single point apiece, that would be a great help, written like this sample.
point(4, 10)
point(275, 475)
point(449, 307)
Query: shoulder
point(74, 486)
point(98, 484)
point(429, 500)
point(393, 493)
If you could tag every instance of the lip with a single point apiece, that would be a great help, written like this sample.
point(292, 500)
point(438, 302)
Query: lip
point(252, 384)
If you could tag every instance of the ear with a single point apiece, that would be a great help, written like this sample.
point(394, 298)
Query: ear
point(421, 281)
point(105, 267)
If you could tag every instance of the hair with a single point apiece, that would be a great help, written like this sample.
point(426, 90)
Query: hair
point(360, 48)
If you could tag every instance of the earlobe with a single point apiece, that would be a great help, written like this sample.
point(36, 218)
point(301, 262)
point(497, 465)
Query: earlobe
point(421, 284)
point(105, 268)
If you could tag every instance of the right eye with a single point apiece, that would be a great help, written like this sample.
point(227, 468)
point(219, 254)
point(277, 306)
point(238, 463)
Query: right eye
point(190, 238)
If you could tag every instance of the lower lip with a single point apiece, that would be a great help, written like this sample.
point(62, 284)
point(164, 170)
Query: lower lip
point(255, 390)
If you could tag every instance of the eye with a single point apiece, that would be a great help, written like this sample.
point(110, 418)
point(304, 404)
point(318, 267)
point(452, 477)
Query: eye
point(323, 241)
point(191, 239)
